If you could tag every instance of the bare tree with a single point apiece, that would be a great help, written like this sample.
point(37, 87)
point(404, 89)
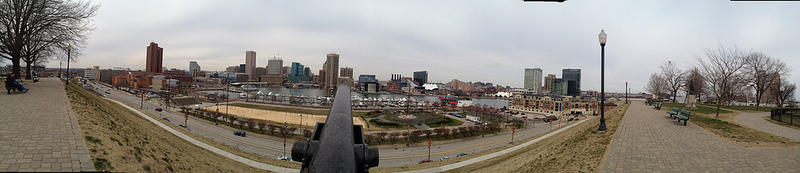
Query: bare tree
point(251, 124)
point(394, 136)
point(763, 71)
point(674, 77)
point(782, 95)
point(29, 28)
point(261, 126)
point(271, 128)
point(722, 69)
point(657, 85)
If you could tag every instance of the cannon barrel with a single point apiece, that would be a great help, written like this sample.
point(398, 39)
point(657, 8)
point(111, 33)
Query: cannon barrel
point(336, 145)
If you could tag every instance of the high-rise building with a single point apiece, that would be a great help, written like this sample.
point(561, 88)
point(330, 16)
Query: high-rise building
point(298, 73)
point(321, 78)
point(274, 66)
point(533, 80)
point(287, 70)
point(396, 77)
point(421, 77)
point(332, 69)
point(250, 65)
point(154, 58)
point(548, 82)
point(242, 68)
point(232, 69)
point(573, 79)
point(194, 68)
point(346, 72)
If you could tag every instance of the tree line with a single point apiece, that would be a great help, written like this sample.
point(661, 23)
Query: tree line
point(726, 74)
point(37, 31)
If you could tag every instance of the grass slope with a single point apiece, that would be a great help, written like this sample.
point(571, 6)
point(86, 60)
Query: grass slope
point(119, 140)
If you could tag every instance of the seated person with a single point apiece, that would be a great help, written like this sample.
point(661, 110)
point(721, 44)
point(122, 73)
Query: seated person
point(11, 80)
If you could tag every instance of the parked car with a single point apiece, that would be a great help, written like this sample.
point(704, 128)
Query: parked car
point(240, 133)
point(444, 158)
point(425, 161)
point(158, 109)
point(166, 119)
point(284, 158)
point(461, 154)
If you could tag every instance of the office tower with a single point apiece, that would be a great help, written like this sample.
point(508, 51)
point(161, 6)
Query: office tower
point(573, 79)
point(274, 66)
point(332, 69)
point(548, 82)
point(194, 68)
point(346, 72)
point(421, 77)
point(321, 78)
point(154, 58)
point(250, 65)
point(533, 80)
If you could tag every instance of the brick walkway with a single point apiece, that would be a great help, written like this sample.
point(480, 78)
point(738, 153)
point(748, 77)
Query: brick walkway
point(38, 131)
point(649, 141)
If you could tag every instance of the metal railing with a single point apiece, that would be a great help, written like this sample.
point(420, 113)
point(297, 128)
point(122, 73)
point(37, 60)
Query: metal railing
point(786, 115)
point(336, 145)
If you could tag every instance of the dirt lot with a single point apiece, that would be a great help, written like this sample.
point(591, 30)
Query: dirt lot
point(275, 116)
point(121, 141)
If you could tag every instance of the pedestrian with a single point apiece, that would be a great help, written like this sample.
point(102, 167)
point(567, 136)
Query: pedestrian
point(12, 81)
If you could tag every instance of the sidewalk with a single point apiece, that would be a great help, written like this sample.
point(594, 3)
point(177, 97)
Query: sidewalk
point(38, 131)
point(649, 141)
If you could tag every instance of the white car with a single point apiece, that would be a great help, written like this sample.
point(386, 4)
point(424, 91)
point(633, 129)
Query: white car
point(284, 158)
point(444, 158)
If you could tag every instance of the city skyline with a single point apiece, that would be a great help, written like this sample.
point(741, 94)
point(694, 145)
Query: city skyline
point(476, 41)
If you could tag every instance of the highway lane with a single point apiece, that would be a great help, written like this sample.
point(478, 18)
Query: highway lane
point(270, 148)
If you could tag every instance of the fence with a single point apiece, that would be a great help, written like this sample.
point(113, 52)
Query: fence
point(789, 116)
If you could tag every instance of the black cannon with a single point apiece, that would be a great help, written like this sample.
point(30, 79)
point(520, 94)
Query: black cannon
point(336, 145)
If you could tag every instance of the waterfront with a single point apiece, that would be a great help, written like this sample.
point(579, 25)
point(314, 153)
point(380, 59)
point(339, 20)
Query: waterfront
point(316, 97)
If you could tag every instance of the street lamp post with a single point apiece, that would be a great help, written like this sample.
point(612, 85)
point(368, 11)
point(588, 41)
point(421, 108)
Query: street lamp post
point(602, 37)
point(781, 96)
point(69, 51)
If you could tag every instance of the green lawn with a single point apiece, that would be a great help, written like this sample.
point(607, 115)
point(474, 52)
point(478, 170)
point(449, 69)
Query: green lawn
point(712, 109)
point(746, 108)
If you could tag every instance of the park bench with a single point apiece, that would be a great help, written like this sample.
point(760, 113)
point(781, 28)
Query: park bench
point(11, 87)
point(674, 112)
point(684, 115)
point(658, 106)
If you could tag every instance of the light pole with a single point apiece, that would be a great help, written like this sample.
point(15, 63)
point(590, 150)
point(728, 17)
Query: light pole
point(69, 51)
point(626, 92)
point(781, 96)
point(602, 37)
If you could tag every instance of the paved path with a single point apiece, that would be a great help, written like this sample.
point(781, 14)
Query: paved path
point(649, 141)
point(757, 121)
point(39, 132)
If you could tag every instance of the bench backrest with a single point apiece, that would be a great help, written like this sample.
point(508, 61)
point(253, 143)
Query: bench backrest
point(675, 109)
point(686, 113)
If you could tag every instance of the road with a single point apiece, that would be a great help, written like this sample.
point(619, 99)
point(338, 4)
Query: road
point(270, 148)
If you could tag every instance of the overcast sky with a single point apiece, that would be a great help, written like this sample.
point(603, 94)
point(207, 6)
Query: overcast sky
point(488, 41)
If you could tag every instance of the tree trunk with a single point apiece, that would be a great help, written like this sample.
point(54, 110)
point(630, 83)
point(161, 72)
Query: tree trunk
point(719, 103)
point(758, 99)
point(28, 70)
